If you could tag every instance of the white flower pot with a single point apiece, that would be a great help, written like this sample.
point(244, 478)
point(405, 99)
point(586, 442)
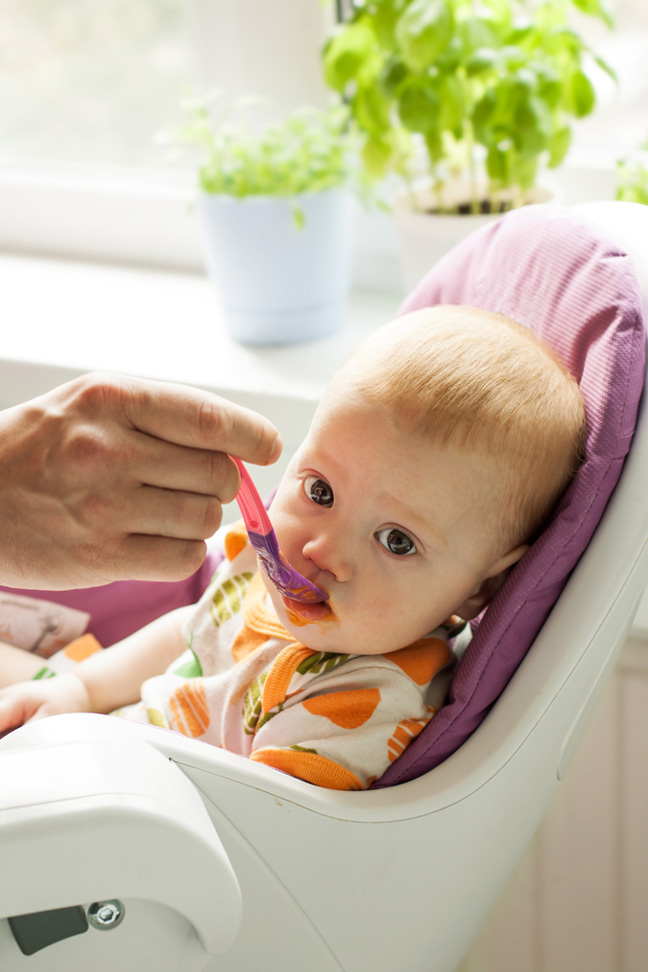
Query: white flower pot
point(424, 237)
point(278, 284)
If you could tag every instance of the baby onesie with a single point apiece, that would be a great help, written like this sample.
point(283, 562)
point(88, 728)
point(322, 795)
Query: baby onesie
point(244, 684)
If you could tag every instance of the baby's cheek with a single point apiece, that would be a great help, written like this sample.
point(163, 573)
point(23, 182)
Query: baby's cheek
point(285, 527)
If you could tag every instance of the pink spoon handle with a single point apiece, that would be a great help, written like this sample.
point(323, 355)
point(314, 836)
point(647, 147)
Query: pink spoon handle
point(286, 579)
point(250, 503)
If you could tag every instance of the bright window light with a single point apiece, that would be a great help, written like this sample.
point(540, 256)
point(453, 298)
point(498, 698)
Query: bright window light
point(87, 86)
point(90, 82)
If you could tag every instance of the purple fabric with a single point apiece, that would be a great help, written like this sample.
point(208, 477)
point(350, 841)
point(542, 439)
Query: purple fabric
point(118, 609)
point(556, 272)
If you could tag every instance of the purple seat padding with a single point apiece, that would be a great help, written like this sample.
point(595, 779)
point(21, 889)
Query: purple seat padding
point(556, 272)
point(118, 609)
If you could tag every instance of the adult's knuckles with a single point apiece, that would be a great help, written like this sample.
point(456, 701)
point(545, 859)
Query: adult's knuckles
point(98, 451)
point(100, 560)
point(223, 477)
point(188, 516)
point(99, 392)
point(215, 422)
point(235, 429)
point(211, 519)
point(159, 558)
point(100, 515)
point(84, 445)
point(189, 558)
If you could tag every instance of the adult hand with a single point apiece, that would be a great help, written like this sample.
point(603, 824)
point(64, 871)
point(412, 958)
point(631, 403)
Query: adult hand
point(110, 477)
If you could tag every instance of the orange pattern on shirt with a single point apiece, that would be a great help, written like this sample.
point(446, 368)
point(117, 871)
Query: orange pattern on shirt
point(280, 675)
point(258, 623)
point(348, 710)
point(245, 643)
point(82, 648)
point(405, 732)
point(236, 540)
point(189, 709)
point(422, 660)
point(309, 766)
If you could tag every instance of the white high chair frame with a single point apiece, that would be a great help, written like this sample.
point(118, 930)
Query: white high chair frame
point(226, 865)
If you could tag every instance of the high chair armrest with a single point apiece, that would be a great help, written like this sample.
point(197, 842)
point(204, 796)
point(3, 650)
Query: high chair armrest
point(97, 819)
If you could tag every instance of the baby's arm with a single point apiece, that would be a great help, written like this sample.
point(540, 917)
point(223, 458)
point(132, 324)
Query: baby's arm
point(104, 681)
point(114, 677)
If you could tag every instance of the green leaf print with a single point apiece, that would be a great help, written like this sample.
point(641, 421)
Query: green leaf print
point(189, 666)
point(44, 673)
point(253, 704)
point(253, 715)
point(267, 716)
point(321, 661)
point(228, 597)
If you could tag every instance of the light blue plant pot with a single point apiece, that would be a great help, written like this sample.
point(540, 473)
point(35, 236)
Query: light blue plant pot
point(278, 284)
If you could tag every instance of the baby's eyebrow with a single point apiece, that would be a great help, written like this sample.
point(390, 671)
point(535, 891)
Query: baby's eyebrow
point(412, 518)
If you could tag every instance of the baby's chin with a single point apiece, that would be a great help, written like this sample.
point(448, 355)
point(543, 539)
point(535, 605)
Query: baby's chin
point(299, 615)
point(314, 625)
point(319, 630)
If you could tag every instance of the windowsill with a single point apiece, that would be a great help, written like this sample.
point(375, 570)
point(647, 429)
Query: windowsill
point(165, 325)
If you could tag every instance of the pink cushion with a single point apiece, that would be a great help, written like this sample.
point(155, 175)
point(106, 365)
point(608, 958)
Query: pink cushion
point(554, 271)
point(116, 610)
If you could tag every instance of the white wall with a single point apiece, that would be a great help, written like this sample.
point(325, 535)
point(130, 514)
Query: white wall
point(578, 900)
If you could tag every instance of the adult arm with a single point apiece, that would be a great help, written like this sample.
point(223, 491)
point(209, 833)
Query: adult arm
point(112, 478)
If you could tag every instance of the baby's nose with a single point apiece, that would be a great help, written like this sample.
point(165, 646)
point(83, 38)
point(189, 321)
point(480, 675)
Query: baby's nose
point(327, 552)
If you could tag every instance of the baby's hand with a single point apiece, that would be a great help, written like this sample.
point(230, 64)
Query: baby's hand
point(28, 701)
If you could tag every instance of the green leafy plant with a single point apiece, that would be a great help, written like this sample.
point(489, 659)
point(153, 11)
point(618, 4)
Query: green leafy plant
point(310, 151)
point(481, 83)
point(632, 176)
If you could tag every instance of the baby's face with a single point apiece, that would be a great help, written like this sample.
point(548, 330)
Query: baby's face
point(398, 531)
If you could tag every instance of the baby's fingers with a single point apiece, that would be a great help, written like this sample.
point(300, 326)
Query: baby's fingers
point(13, 711)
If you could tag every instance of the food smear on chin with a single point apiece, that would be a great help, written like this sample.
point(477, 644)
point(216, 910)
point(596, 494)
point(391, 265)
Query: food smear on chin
point(301, 614)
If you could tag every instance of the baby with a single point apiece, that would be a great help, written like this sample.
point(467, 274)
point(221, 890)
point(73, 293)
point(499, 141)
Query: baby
point(434, 458)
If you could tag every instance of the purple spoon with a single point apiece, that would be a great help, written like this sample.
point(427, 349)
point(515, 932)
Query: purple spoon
point(285, 578)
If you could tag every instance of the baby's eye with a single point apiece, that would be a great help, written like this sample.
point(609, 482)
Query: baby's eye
point(318, 490)
point(396, 541)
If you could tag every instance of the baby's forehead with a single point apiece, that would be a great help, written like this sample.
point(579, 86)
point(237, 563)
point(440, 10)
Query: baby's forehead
point(346, 415)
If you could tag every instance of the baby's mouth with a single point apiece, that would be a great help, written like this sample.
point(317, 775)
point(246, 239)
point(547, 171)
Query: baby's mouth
point(300, 613)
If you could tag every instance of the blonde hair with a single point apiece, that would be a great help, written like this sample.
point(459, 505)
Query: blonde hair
point(480, 380)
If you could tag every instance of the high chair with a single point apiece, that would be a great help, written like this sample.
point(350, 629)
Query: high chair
point(128, 847)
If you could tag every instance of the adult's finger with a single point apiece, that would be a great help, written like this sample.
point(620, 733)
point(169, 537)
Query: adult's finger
point(174, 467)
point(169, 513)
point(191, 417)
point(152, 558)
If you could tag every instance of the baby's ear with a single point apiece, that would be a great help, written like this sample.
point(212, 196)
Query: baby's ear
point(489, 587)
